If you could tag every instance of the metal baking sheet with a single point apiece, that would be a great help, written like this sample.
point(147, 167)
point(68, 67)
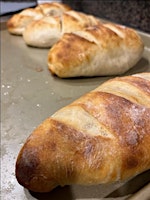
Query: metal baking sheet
point(29, 94)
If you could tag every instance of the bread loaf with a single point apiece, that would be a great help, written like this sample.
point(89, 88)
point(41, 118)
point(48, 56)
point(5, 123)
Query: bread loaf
point(48, 30)
point(102, 137)
point(105, 49)
point(18, 22)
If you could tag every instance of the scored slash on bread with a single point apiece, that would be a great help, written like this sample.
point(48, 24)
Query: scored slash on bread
point(104, 49)
point(18, 22)
point(48, 30)
point(81, 44)
point(101, 137)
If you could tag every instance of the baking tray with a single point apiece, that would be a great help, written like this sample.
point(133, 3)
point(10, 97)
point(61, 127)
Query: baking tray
point(30, 94)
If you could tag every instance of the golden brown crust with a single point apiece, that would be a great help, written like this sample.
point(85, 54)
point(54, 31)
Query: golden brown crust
point(110, 143)
point(106, 51)
point(18, 22)
point(73, 21)
point(69, 59)
point(140, 83)
point(48, 30)
point(135, 89)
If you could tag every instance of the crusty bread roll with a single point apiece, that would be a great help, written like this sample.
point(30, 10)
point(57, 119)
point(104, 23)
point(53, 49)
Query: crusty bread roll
point(17, 23)
point(105, 49)
point(102, 137)
point(48, 30)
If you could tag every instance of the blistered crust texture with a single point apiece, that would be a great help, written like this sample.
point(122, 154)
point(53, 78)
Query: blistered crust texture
point(101, 137)
point(104, 49)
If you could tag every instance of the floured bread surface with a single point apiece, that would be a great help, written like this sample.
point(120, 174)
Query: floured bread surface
point(43, 33)
point(48, 30)
point(101, 137)
point(105, 49)
point(18, 22)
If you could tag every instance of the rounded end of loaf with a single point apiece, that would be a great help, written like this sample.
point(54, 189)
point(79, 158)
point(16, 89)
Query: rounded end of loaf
point(43, 33)
point(18, 22)
point(29, 172)
point(33, 183)
point(12, 26)
point(70, 56)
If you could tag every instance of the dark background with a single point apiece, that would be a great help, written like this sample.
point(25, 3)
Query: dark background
point(133, 13)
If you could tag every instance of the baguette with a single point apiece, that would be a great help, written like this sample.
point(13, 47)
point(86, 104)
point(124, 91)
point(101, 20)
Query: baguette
point(105, 49)
point(102, 137)
point(47, 31)
point(18, 22)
